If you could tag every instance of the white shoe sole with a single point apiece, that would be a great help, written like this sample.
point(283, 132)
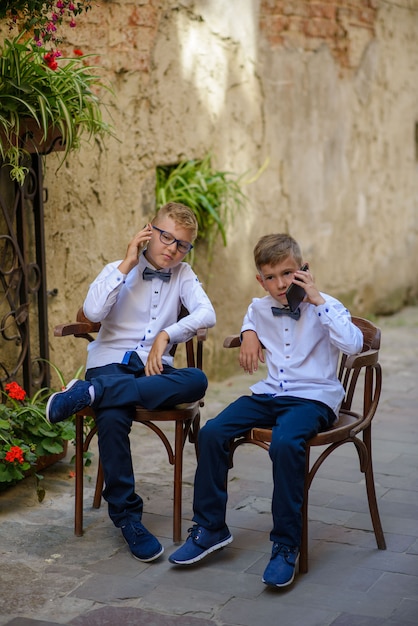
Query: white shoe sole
point(151, 558)
point(201, 556)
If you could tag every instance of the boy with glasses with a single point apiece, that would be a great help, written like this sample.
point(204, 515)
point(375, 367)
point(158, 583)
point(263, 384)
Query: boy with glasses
point(137, 301)
point(300, 395)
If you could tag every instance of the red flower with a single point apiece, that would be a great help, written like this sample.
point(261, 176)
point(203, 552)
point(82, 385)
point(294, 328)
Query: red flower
point(15, 454)
point(49, 59)
point(78, 52)
point(15, 391)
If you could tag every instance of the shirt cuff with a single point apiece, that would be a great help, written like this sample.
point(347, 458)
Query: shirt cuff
point(324, 312)
point(116, 279)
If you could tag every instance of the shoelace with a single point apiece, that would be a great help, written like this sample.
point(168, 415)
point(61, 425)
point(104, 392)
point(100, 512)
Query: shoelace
point(285, 551)
point(193, 532)
point(135, 528)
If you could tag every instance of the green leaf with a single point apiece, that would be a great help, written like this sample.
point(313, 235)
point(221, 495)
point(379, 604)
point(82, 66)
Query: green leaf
point(52, 447)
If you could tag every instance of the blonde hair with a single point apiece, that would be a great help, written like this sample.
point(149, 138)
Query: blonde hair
point(272, 249)
point(181, 214)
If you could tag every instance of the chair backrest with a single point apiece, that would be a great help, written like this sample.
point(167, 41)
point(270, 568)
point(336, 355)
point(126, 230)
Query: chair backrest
point(366, 361)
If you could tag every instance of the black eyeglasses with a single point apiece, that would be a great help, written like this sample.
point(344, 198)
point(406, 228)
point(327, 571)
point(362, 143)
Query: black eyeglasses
point(167, 239)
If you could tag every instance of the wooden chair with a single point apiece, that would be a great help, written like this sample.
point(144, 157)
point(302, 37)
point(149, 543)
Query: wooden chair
point(186, 419)
point(361, 377)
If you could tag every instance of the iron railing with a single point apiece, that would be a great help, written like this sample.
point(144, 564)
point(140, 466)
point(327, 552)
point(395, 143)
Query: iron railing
point(24, 350)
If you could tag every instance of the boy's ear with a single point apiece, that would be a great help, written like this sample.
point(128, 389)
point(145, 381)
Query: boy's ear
point(260, 280)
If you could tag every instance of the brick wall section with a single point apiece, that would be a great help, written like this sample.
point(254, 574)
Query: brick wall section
point(123, 35)
point(308, 24)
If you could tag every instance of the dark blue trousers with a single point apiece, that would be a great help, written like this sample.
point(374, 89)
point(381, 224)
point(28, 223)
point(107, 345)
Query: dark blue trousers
point(293, 421)
point(118, 388)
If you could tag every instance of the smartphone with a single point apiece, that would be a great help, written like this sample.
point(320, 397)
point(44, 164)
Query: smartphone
point(295, 293)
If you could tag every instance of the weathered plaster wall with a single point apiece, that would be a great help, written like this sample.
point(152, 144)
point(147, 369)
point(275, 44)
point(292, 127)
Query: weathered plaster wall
point(326, 91)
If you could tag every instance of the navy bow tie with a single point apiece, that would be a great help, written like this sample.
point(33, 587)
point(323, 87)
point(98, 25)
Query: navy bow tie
point(293, 314)
point(149, 274)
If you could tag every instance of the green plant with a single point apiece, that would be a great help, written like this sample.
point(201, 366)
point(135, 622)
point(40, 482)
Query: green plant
point(26, 435)
point(42, 17)
point(214, 196)
point(34, 87)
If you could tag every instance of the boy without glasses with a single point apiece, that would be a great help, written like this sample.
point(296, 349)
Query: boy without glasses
point(300, 395)
point(137, 301)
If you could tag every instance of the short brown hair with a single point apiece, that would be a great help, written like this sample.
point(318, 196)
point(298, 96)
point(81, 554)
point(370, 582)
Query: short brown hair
point(181, 214)
point(272, 249)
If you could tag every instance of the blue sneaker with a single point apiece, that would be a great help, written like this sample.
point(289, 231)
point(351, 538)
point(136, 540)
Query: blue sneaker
point(280, 571)
point(199, 544)
point(143, 545)
point(73, 398)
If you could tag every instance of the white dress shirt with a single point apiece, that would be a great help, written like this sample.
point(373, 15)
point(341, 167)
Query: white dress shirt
point(132, 311)
point(302, 355)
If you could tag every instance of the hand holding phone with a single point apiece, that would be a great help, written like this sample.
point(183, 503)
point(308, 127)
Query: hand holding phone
point(296, 293)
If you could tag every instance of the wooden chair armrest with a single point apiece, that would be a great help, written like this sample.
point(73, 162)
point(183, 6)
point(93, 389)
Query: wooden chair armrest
point(75, 328)
point(232, 341)
point(363, 359)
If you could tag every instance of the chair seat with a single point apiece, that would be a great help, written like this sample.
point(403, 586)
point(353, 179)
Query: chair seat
point(340, 430)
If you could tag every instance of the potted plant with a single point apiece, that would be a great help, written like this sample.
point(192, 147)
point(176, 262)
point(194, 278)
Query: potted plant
point(28, 441)
point(43, 95)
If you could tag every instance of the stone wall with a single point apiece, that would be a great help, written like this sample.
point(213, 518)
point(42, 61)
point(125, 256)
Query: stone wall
point(324, 94)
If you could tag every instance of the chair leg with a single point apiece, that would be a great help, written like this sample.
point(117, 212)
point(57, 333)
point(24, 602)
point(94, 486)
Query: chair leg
point(371, 495)
point(99, 486)
point(178, 480)
point(178, 474)
point(303, 556)
point(78, 514)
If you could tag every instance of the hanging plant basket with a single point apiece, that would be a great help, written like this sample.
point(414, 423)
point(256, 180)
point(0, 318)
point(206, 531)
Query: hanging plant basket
point(32, 139)
point(47, 103)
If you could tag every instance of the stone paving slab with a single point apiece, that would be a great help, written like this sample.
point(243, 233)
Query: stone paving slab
point(49, 577)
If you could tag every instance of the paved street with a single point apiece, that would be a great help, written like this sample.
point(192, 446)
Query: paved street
point(50, 577)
